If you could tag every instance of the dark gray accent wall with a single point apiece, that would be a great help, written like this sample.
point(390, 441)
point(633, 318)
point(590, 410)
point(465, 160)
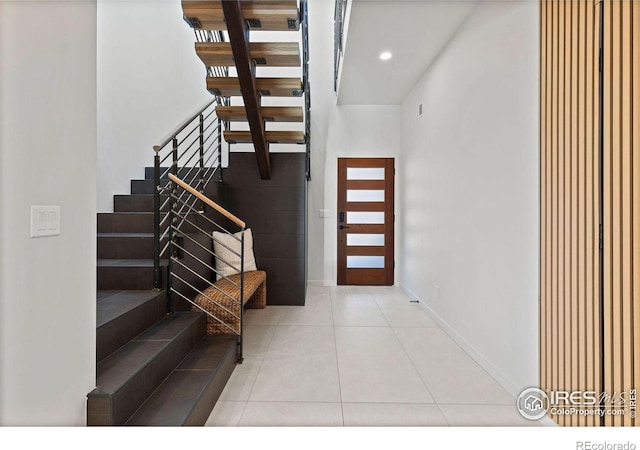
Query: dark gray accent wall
point(275, 210)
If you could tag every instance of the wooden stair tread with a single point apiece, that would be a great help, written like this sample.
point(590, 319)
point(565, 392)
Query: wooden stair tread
point(274, 54)
point(269, 113)
point(273, 137)
point(267, 15)
point(274, 87)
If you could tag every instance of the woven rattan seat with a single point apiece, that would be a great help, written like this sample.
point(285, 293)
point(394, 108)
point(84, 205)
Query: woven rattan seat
point(222, 300)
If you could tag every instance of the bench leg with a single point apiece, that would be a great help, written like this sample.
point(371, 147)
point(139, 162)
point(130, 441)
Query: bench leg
point(259, 298)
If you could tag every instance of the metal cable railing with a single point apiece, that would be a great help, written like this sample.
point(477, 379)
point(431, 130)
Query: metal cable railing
point(195, 267)
point(193, 151)
point(338, 38)
point(306, 85)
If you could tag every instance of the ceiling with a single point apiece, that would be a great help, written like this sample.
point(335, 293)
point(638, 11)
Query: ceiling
point(413, 31)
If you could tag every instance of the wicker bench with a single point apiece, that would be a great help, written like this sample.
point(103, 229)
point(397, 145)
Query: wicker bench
point(216, 299)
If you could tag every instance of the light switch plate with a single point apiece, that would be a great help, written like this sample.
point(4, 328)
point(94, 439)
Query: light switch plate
point(323, 213)
point(45, 221)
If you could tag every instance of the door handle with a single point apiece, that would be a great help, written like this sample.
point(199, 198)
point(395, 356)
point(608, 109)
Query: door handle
point(342, 227)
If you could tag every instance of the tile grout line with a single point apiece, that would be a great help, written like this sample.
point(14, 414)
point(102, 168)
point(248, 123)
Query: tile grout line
point(435, 402)
point(335, 344)
point(259, 370)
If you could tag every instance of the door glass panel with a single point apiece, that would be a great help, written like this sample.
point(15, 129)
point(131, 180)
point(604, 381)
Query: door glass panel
point(372, 240)
point(357, 195)
point(365, 262)
point(368, 217)
point(360, 173)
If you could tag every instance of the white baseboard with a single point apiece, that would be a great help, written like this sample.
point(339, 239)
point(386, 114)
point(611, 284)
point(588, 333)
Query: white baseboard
point(320, 283)
point(477, 356)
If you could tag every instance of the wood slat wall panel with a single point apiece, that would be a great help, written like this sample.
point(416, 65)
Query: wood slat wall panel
point(569, 200)
point(544, 149)
point(590, 303)
point(620, 207)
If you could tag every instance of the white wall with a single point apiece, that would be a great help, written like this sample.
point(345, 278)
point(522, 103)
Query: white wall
point(469, 190)
point(47, 157)
point(371, 131)
point(323, 101)
point(149, 80)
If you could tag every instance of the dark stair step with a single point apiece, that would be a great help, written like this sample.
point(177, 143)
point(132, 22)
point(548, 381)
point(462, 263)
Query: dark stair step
point(189, 394)
point(128, 377)
point(137, 203)
point(125, 222)
point(185, 173)
point(125, 245)
point(142, 186)
point(122, 315)
point(128, 274)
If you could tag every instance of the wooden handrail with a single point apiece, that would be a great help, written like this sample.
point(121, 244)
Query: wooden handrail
point(208, 201)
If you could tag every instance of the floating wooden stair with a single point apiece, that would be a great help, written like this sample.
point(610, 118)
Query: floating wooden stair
point(273, 137)
point(274, 54)
point(269, 113)
point(267, 15)
point(234, 48)
point(274, 87)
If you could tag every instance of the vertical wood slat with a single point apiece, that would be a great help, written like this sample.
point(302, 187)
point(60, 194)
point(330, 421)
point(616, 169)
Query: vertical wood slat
point(581, 152)
point(562, 337)
point(555, 77)
point(611, 200)
point(573, 200)
point(593, 206)
point(635, 190)
point(543, 180)
point(626, 309)
point(548, 129)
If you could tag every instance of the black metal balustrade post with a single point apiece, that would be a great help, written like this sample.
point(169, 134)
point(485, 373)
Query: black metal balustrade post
point(201, 162)
point(220, 148)
point(156, 221)
point(173, 221)
point(240, 343)
point(304, 12)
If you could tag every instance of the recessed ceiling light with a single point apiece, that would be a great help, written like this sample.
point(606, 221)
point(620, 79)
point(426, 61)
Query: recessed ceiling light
point(385, 56)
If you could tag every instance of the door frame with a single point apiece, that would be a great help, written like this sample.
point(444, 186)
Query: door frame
point(332, 230)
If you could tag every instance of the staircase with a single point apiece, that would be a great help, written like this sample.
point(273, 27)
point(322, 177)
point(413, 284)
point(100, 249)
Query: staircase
point(155, 363)
point(152, 368)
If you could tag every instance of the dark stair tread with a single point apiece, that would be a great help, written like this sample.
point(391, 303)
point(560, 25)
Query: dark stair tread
point(125, 235)
point(188, 394)
point(114, 304)
point(120, 367)
point(130, 263)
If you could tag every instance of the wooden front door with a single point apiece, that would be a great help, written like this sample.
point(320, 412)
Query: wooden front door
point(365, 221)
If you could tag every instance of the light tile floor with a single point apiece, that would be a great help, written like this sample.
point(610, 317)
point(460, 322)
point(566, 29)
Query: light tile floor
point(357, 356)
